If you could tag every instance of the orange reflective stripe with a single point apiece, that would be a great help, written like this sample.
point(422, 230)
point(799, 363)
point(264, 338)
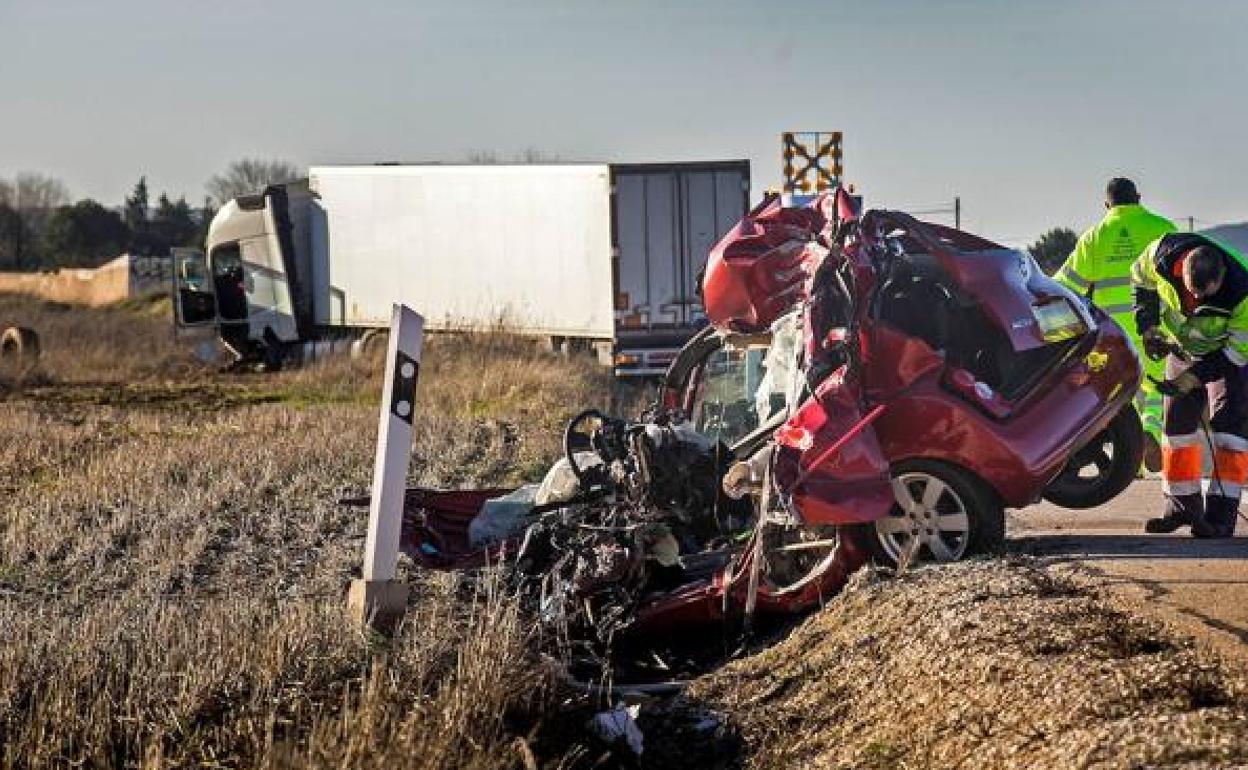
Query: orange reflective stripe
point(1231, 466)
point(1180, 463)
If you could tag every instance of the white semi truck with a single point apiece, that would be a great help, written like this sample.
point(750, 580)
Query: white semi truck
point(593, 256)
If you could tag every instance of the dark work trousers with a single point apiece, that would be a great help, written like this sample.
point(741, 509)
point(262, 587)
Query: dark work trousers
point(1227, 400)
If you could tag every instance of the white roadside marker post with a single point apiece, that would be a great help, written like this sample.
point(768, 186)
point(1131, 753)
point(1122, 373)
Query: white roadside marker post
point(378, 600)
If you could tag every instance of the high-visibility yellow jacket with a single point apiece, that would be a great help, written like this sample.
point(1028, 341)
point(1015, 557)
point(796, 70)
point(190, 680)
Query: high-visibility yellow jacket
point(1100, 267)
point(1215, 331)
point(1101, 263)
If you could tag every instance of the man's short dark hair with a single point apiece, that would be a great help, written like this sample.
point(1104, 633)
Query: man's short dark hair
point(1121, 191)
point(1203, 267)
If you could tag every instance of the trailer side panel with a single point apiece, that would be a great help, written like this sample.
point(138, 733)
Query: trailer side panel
point(469, 246)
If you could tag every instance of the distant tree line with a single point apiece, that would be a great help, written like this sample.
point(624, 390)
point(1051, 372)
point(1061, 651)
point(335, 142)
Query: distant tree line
point(41, 229)
point(1051, 249)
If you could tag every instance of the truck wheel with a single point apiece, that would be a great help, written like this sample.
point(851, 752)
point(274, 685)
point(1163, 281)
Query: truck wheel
point(1102, 468)
point(19, 345)
point(942, 513)
point(372, 346)
point(577, 346)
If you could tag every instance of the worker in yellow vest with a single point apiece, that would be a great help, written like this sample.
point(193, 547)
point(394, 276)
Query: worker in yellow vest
point(1191, 304)
point(1100, 268)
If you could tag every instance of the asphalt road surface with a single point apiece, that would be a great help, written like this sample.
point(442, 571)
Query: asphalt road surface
point(1198, 586)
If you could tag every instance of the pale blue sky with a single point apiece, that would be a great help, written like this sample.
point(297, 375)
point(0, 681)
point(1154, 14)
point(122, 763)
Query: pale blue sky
point(1022, 109)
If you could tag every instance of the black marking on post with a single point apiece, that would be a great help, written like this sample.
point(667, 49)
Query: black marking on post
point(404, 390)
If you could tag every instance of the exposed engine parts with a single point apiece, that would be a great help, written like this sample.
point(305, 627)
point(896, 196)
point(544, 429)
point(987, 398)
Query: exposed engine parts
point(648, 500)
point(659, 464)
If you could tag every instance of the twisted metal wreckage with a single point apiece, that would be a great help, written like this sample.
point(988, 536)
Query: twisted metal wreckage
point(868, 384)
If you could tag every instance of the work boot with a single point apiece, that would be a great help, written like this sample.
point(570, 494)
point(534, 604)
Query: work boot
point(1219, 519)
point(1164, 525)
point(1181, 511)
point(1152, 454)
point(1206, 529)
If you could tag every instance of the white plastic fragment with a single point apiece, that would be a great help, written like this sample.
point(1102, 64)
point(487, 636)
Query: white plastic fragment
point(501, 517)
point(560, 483)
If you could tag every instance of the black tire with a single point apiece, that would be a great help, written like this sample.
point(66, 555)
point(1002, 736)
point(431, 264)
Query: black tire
point(985, 516)
point(373, 345)
point(1115, 454)
point(19, 345)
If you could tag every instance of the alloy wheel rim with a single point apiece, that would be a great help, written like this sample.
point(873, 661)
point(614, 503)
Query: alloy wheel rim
point(929, 516)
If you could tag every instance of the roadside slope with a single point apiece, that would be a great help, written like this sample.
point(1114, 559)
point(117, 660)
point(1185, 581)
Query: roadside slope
point(173, 561)
point(985, 664)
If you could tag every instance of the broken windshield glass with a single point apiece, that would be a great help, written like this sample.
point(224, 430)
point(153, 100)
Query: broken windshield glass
point(748, 382)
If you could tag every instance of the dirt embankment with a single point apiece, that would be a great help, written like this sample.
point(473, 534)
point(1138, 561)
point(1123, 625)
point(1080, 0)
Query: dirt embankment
point(988, 664)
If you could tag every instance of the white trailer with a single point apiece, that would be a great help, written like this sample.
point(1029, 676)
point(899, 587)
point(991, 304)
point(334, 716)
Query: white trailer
point(602, 255)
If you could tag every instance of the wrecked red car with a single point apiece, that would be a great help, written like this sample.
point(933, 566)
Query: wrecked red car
point(868, 384)
point(994, 385)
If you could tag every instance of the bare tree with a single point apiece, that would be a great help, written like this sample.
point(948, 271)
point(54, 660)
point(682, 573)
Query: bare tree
point(33, 198)
point(249, 176)
point(527, 156)
point(37, 191)
point(30, 191)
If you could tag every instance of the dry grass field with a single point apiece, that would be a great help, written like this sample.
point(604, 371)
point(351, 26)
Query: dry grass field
point(173, 566)
point(172, 560)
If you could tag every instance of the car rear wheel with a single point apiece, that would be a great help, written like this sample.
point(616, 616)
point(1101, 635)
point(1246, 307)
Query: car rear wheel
point(1104, 467)
point(942, 514)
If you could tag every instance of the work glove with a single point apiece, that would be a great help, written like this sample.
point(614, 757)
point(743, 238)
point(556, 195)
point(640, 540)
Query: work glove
point(1156, 346)
point(1179, 385)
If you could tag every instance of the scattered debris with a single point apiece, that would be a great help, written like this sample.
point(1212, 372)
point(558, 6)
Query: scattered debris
point(619, 725)
point(628, 543)
point(501, 517)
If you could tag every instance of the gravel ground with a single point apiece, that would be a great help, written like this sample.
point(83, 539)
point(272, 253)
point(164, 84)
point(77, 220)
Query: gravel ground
point(1004, 663)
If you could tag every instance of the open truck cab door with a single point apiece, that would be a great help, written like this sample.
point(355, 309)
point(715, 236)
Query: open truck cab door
point(212, 291)
point(194, 300)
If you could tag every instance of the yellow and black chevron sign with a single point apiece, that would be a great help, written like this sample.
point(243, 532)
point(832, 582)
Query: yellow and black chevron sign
point(812, 160)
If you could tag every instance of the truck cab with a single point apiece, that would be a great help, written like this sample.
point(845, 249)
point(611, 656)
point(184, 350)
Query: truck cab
point(244, 283)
